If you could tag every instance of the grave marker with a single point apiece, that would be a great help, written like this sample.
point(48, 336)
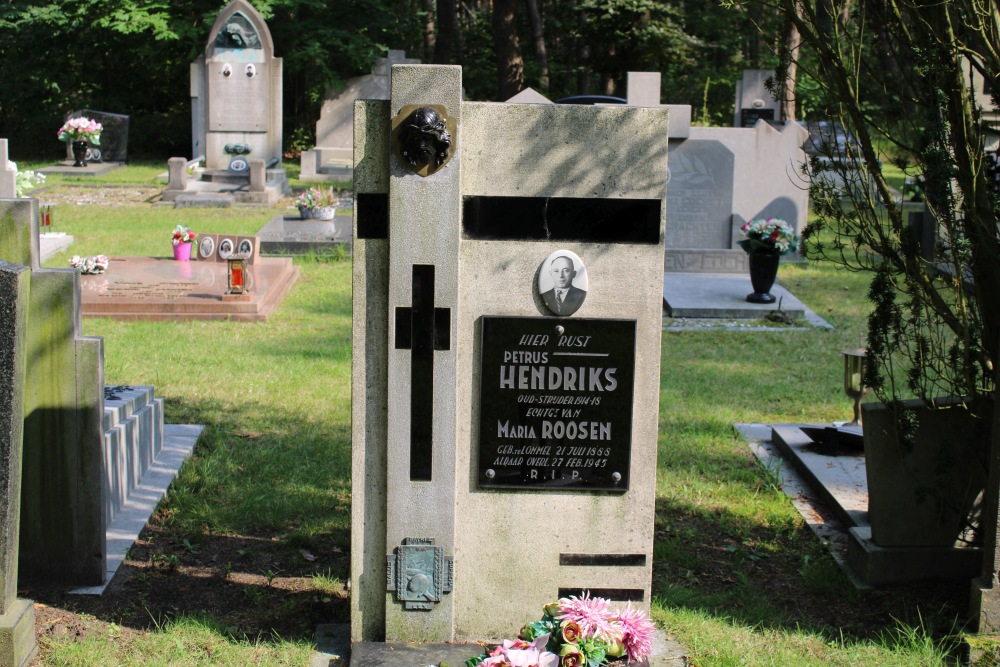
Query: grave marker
point(448, 274)
point(62, 523)
point(17, 617)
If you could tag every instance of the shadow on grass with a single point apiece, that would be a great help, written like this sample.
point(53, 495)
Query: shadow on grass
point(777, 575)
point(254, 533)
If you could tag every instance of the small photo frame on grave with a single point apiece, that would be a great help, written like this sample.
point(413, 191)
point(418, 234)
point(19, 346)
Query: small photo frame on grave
point(226, 248)
point(562, 282)
point(245, 247)
point(206, 247)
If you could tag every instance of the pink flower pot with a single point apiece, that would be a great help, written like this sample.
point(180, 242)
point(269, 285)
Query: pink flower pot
point(182, 252)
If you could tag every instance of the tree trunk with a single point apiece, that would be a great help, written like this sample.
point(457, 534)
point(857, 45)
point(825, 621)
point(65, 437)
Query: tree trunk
point(430, 29)
point(510, 66)
point(538, 36)
point(447, 32)
point(793, 40)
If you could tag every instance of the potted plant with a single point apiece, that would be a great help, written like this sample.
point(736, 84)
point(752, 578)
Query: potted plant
point(182, 241)
point(765, 241)
point(317, 204)
point(81, 132)
point(933, 342)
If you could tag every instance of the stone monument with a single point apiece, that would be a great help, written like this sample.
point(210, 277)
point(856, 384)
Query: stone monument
point(17, 617)
point(753, 100)
point(236, 113)
point(332, 157)
point(504, 444)
point(62, 523)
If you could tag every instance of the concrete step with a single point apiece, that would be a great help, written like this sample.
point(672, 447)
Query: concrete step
point(133, 437)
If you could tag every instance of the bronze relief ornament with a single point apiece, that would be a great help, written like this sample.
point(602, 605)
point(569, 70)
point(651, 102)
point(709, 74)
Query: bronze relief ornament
point(423, 136)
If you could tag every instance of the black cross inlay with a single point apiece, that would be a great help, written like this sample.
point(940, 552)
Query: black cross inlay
point(421, 328)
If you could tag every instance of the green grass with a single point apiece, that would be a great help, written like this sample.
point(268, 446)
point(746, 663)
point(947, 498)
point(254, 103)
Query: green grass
point(273, 468)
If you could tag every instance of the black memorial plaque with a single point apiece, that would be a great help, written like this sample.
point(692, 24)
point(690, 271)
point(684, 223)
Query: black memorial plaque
point(749, 117)
point(556, 403)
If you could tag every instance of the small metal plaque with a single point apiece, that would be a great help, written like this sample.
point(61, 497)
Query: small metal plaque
point(419, 573)
point(556, 403)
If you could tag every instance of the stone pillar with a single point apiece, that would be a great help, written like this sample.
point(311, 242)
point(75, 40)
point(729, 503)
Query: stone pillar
point(17, 617)
point(178, 173)
point(258, 176)
point(427, 212)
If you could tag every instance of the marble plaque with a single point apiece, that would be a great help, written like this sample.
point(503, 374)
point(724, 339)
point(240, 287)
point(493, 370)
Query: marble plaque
point(700, 195)
point(237, 100)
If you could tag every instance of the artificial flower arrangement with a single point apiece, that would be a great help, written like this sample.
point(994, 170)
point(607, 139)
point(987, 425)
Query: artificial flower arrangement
point(90, 265)
point(316, 198)
point(768, 237)
point(81, 129)
point(183, 235)
point(24, 180)
point(576, 632)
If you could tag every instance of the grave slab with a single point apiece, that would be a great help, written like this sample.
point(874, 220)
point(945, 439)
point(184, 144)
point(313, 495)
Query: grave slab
point(155, 288)
point(178, 443)
point(66, 168)
point(837, 483)
point(291, 235)
point(838, 475)
point(722, 295)
point(52, 243)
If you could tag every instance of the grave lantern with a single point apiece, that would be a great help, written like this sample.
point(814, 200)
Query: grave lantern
point(237, 276)
point(854, 365)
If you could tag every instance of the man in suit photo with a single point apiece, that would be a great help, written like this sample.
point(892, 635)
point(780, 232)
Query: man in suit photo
point(563, 298)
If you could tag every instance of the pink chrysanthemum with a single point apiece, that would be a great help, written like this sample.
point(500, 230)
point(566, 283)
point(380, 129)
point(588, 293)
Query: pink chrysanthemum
point(637, 633)
point(590, 614)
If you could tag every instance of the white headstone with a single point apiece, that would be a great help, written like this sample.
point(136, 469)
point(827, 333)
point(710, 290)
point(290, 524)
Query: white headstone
point(8, 174)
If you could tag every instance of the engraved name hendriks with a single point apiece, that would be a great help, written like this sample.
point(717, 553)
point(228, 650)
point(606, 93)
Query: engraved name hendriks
point(556, 403)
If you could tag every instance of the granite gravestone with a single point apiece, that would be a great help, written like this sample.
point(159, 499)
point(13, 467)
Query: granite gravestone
point(62, 524)
point(17, 617)
point(236, 85)
point(114, 136)
point(483, 421)
point(754, 101)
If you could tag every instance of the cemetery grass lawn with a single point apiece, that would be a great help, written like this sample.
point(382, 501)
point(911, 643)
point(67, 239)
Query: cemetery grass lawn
point(250, 550)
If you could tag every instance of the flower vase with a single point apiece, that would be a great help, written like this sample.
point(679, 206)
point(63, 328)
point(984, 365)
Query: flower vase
point(763, 272)
point(182, 252)
point(80, 153)
point(323, 213)
point(305, 212)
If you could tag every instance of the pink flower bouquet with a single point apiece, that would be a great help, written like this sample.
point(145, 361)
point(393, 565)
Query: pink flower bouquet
point(576, 632)
point(81, 129)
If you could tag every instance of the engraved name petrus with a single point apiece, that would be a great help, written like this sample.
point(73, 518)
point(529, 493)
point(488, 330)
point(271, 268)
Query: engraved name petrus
point(556, 403)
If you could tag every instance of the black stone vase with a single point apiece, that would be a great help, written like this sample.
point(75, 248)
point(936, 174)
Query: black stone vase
point(763, 271)
point(80, 153)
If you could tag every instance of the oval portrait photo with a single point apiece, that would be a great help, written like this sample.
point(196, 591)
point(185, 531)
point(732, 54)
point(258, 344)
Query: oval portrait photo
point(562, 282)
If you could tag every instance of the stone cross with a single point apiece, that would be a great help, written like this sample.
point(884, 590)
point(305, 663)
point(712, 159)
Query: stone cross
point(451, 257)
point(17, 617)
